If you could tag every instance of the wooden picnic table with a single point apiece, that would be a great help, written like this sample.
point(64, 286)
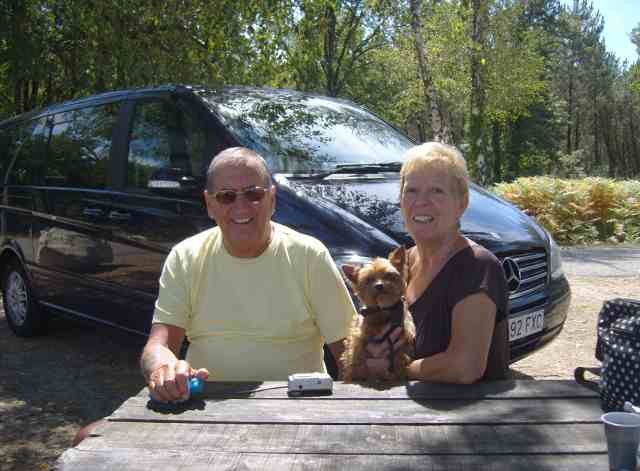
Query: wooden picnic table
point(503, 425)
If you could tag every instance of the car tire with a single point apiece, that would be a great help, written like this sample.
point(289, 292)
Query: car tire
point(24, 316)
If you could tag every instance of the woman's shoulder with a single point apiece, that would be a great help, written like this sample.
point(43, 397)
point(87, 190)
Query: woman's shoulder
point(473, 263)
point(478, 254)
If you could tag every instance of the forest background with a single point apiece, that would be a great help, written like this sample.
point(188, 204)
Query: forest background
point(523, 87)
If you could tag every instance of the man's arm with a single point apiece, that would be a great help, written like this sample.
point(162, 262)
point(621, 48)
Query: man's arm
point(162, 348)
point(331, 305)
point(336, 349)
point(166, 376)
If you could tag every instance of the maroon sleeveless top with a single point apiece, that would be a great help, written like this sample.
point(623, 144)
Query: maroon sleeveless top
point(471, 270)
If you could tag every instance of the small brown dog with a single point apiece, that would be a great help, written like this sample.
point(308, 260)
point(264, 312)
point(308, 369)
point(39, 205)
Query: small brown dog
point(380, 287)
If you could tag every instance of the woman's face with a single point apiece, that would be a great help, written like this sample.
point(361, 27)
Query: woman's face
point(430, 206)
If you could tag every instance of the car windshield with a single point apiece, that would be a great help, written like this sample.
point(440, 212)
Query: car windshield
point(299, 133)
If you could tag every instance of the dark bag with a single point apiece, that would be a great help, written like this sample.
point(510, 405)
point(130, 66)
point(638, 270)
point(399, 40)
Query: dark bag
point(618, 348)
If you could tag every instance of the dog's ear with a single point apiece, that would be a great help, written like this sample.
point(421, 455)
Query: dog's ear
point(351, 272)
point(398, 257)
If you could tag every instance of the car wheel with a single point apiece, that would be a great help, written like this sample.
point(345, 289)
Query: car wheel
point(20, 306)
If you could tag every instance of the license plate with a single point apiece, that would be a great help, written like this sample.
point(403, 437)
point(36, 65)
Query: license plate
point(526, 324)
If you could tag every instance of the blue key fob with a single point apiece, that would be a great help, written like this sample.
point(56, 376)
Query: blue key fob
point(196, 386)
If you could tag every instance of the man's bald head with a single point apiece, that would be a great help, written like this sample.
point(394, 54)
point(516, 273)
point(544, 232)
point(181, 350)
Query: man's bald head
point(237, 157)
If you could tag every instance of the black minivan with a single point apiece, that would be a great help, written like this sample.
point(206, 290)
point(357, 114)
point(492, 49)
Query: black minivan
point(96, 191)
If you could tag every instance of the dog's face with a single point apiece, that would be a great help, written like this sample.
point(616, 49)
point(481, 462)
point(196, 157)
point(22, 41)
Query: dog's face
point(379, 284)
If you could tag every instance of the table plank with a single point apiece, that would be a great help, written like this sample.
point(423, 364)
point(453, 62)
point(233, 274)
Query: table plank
point(371, 411)
point(143, 460)
point(508, 389)
point(351, 439)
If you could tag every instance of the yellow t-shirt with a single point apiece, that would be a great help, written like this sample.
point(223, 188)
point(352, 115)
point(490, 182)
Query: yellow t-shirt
point(252, 319)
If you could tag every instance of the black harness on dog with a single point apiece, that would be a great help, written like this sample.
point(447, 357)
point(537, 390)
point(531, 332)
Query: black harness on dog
point(395, 320)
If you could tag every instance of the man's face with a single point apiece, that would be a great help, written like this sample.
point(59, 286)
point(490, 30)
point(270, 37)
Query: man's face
point(245, 224)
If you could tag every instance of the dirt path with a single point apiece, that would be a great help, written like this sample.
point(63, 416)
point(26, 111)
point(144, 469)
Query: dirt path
point(576, 343)
point(51, 385)
point(595, 273)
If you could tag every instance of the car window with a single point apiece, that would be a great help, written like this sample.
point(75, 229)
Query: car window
point(165, 140)
point(6, 148)
point(27, 153)
point(79, 148)
point(305, 133)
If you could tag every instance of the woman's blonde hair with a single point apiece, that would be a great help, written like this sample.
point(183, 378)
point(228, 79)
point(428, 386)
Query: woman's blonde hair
point(432, 155)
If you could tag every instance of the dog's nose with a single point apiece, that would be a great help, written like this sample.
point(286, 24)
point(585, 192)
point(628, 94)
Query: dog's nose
point(379, 286)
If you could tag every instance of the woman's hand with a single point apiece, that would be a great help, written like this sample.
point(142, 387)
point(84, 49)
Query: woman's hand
point(382, 349)
point(379, 353)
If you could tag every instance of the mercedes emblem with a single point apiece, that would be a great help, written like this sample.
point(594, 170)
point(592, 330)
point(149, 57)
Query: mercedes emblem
point(512, 273)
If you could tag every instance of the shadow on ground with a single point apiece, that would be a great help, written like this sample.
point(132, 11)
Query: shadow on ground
point(52, 384)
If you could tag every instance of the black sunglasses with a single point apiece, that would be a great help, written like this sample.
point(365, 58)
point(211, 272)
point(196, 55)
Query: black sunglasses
point(253, 195)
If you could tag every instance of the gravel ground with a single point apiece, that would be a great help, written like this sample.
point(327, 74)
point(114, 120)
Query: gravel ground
point(576, 343)
point(51, 385)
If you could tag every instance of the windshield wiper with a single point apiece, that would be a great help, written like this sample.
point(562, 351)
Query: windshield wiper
point(355, 169)
point(367, 168)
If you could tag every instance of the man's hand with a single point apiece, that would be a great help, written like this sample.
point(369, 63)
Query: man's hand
point(167, 376)
point(169, 382)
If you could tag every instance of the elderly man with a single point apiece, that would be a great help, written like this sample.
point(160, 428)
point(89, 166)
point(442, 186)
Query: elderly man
point(256, 299)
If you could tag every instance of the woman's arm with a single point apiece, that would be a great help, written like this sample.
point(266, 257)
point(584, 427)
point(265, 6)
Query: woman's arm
point(465, 360)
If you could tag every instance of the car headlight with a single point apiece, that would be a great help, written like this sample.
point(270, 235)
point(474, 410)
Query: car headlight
point(555, 259)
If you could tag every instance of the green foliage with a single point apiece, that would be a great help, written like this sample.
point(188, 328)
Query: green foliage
point(58, 50)
point(554, 101)
point(635, 79)
point(446, 31)
point(330, 42)
point(570, 165)
point(515, 67)
point(635, 37)
point(579, 211)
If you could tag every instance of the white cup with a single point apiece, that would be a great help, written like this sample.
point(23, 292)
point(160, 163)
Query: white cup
point(622, 430)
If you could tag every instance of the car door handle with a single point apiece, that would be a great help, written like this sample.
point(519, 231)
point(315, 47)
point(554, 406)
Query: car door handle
point(119, 216)
point(92, 212)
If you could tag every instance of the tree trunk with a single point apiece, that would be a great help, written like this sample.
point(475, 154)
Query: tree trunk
point(634, 158)
point(497, 152)
point(17, 96)
point(329, 51)
point(606, 136)
point(422, 136)
point(576, 131)
point(624, 149)
point(26, 96)
point(49, 92)
point(514, 151)
point(597, 158)
point(439, 125)
point(477, 137)
point(569, 113)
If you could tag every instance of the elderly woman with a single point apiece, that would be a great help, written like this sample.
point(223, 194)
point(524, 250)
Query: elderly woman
point(456, 289)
